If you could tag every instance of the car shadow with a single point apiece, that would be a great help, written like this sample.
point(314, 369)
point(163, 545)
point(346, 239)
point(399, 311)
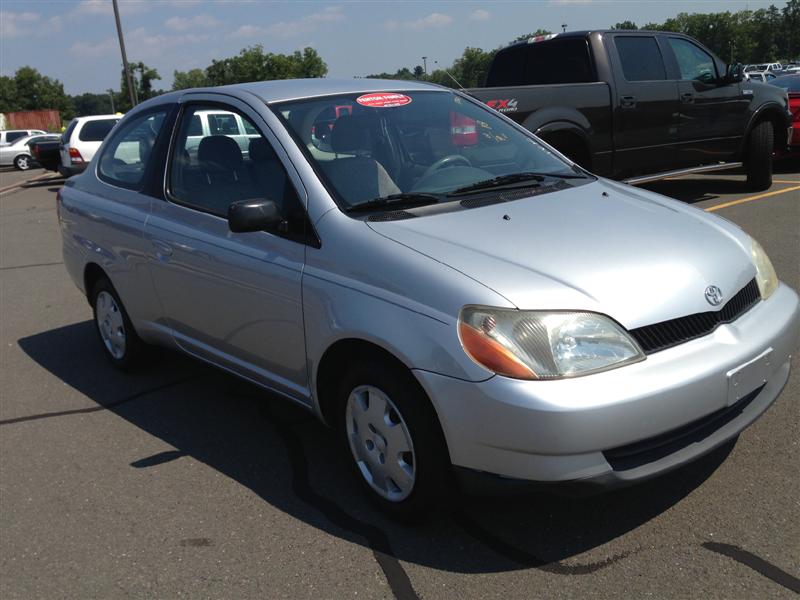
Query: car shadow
point(290, 460)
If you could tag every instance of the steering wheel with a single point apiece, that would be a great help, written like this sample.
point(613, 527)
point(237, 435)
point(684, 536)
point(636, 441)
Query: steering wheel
point(451, 160)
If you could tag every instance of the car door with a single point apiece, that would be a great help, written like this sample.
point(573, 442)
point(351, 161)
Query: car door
point(645, 106)
point(233, 299)
point(713, 111)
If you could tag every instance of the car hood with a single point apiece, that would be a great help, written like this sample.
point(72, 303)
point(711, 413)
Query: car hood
point(605, 247)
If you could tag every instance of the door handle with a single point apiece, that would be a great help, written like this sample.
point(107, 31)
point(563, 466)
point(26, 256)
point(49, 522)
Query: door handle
point(627, 102)
point(687, 97)
point(163, 249)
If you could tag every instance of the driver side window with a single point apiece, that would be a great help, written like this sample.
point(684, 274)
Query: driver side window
point(694, 63)
point(215, 163)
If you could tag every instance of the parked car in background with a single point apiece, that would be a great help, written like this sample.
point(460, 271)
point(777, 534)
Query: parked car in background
point(81, 140)
point(774, 67)
point(638, 105)
point(755, 68)
point(791, 83)
point(10, 136)
point(19, 154)
point(453, 296)
point(763, 76)
point(47, 153)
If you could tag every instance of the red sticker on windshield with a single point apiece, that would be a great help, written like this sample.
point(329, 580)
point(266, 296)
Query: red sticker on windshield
point(383, 100)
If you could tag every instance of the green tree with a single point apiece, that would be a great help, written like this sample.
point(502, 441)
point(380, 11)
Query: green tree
point(193, 78)
point(625, 25)
point(92, 104)
point(537, 33)
point(9, 100)
point(35, 91)
point(253, 64)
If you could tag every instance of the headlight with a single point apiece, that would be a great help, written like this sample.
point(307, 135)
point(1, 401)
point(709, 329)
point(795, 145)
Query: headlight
point(766, 278)
point(528, 344)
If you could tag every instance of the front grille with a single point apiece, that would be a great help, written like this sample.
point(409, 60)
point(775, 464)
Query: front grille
point(631, 456)
point(660, 336)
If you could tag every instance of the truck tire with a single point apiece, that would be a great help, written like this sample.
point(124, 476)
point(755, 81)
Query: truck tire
point(758, 162)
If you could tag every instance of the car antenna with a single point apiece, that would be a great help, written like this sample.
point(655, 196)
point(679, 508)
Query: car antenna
point(461, 87)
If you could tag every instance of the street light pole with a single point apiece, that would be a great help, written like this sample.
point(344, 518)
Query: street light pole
point(125, 66)
point(425, 64)
point(111, 96)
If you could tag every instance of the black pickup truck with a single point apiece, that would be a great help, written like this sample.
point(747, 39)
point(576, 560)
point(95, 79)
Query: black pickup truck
point(639, 105)
point(47, 154)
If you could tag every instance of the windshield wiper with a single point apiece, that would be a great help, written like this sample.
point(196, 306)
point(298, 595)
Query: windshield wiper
point(394, 201)
point(508, 180)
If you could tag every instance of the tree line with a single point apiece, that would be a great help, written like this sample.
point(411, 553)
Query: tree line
point(747, 36)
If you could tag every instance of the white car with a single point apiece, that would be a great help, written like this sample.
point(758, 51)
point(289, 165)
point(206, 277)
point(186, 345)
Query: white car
point(764, 76)
point(81, 140)
point(10, 136)
point(18, 153)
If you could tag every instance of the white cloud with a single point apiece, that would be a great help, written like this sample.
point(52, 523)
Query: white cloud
point(13, 24)
point(104, 7)
point(480, 15)
point(186, 23)
point(285, 29)
point(140, 44)
point(433, 20)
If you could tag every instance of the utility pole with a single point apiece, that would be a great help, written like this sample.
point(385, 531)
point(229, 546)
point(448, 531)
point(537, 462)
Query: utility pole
point(111, 96)
point(425, 64)
point(125, 66)
point(563, 25)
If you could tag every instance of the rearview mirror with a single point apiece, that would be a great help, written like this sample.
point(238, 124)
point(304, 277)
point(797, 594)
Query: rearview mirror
point(253, 215)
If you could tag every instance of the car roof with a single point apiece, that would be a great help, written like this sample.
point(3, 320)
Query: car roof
point(97, 118)
point(296, 89)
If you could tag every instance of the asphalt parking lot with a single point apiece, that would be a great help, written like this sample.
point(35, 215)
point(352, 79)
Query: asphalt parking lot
point(180, 481)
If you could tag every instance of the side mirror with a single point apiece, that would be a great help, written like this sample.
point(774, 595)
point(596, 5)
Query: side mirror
point(733, 73)
point(253, 215)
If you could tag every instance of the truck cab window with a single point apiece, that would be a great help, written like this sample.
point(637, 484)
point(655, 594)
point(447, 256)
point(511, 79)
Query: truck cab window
point(694, 63)
point(640, 58)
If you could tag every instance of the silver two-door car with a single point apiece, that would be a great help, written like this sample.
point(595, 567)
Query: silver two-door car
point(450, 293)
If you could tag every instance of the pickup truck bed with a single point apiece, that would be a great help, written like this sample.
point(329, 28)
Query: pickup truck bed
point(47, 154)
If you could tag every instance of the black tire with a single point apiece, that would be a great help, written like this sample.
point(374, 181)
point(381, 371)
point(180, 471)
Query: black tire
point(431, 461)
point(758, 162)
point(133, 351)
point(22, 162)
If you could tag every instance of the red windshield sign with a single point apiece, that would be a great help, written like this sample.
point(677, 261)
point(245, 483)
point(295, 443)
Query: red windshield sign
point(383, 100)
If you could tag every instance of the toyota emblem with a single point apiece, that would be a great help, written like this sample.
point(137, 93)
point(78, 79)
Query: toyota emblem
point(714, 295)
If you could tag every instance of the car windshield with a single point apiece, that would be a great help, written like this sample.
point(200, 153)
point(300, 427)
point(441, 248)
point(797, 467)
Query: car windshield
point(379, 150)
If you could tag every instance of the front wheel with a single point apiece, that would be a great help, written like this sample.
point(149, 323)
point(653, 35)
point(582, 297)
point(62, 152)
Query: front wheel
point(120, 342)
point(759, 157)
point(393, 436)
point(22, 162)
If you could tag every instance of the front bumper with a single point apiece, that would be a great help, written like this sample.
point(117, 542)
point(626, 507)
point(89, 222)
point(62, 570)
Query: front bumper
point(566, 430)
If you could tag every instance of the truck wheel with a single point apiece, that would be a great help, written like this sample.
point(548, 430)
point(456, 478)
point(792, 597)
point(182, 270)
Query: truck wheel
point(114, 329)
point(759, 157)
point(392, 434)
point(22, 162)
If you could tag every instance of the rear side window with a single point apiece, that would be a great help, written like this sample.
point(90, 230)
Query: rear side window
point(542, 63)
point(96, 131)
point(125, 157)
point(641, 59)
point(12, 136)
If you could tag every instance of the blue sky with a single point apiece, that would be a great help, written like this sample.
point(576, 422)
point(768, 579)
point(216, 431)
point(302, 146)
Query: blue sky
point(75, 41)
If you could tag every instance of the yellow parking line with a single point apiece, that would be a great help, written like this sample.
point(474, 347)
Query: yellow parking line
point(751, 198)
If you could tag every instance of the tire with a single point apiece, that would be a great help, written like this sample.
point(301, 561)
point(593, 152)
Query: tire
point(759, 157)
point(22, 162)
point(404, 429)
point(120, 343)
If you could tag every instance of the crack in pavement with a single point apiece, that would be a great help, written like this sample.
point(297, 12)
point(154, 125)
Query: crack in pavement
point(758, 564)
point(15, 267)
point(526, 559)
point(376, 538)
point(91, 409)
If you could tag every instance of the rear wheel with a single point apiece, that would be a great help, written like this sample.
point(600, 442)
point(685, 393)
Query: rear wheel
point(114, 329)
point(759, 157)
point(391, 431)
point(22, 162)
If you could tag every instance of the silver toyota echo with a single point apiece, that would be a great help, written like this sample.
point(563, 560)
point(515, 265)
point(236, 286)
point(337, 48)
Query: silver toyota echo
point(453, 295)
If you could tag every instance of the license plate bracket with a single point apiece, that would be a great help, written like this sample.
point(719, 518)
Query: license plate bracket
point(747, 377)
